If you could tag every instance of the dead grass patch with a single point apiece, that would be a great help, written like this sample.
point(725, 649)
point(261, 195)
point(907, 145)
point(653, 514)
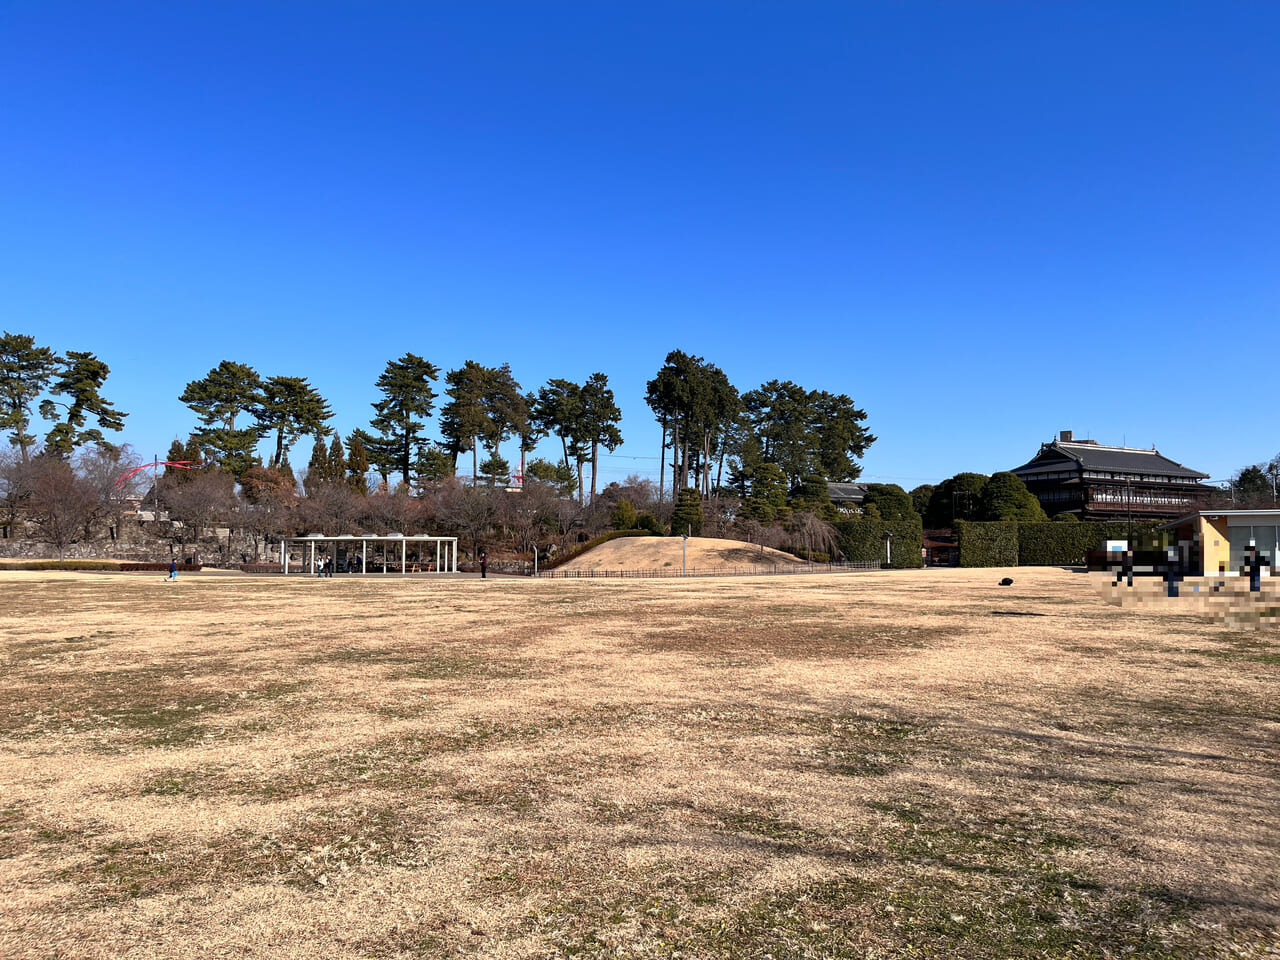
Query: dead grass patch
point(840, 766)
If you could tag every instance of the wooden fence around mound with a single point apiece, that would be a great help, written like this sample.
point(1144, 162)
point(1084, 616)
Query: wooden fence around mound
point(754, 570)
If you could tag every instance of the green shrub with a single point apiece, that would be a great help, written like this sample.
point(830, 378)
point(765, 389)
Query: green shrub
point(624, 516)
point(647, 521)
point(862, 541)
point(991, 544)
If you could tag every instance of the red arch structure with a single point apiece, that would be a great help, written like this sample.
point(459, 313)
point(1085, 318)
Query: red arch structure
point(156, 465)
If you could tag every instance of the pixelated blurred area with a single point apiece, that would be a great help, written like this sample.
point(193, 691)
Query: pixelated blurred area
point(1225, 598)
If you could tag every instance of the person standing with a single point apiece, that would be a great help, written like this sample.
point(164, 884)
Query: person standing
point(484, 565)
point(1253, 564)
point(1173, 571)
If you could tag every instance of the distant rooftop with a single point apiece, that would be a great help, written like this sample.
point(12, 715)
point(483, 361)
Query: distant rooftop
point(1094, 456)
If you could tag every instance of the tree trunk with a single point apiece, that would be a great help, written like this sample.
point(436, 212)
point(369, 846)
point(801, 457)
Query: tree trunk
point(675, 461)
point(684, 462)
point(475, 461)
point(595, 461)
point(720, 467)
point(662, 463)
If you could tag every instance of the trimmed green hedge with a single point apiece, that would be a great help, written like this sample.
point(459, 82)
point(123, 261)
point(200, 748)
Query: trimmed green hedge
point(862, 541)
point(582, 548)
point(990, 544)
point(1008, 544)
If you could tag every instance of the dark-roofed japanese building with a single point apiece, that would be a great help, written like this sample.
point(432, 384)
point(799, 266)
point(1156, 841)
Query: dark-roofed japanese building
point(1097, 482)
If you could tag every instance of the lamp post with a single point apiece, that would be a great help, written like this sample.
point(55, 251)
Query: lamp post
point(888, 548)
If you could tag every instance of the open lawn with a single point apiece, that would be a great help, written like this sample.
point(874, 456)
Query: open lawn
point(888, 765)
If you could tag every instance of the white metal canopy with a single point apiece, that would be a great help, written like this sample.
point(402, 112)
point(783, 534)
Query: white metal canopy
point(446, 550)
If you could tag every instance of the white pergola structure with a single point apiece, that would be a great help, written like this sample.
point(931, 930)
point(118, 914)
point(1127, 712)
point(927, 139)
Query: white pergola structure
point(446, 550)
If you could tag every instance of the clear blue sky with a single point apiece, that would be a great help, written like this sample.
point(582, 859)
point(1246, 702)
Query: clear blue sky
point(985, 222)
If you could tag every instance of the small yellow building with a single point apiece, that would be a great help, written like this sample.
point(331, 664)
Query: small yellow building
point(1220, 538)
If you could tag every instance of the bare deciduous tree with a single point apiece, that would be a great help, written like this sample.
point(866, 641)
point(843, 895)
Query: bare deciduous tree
point(60, 503)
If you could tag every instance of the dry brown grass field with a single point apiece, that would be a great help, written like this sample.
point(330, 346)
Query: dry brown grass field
point(880, 765)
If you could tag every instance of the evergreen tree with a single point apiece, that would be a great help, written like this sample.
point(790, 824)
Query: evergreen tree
point(558, 410)
point(696, 405)
point(336, 471)
point(598, 423)
point(292, 408)
point(1251, 487)
point(464, 418)
point(495, 470)
point(25, 370)
point(812, 496)
point(807, 431)
point(80, 379)
point(188, 453)
point(1006, 497)
point(956, 498)
point(559, 476)
point(407, 395)
point(357, 463)
point(920, 497)
point(687, 518)
point(506, 412)
point(768, 493)
point(229, 391)
point(434, 464)
point(317, 468)
point(624, 516)
point(890, 501)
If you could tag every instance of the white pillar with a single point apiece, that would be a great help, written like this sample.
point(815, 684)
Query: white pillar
point(438, 556)
point(284, 556)
point(313, 558)
point(364, 554)
point(404, 557)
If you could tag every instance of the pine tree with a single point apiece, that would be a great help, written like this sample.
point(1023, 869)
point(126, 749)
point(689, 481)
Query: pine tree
point(407, 395)
point(599, 421)
point(687, 518)
point(25, 370)
point(81, 379)
point(292, 408)
point(228, 391)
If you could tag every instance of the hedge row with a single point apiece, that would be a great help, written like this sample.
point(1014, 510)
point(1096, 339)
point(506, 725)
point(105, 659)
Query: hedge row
point(62, 565)
point(862, 541)
point(1009, 543)
point(990, 544)
point(580, 549)
point(158, 567)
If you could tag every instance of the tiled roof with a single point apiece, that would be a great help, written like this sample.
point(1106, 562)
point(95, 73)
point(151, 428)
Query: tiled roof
point(1092, 456)
point(846, 492)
